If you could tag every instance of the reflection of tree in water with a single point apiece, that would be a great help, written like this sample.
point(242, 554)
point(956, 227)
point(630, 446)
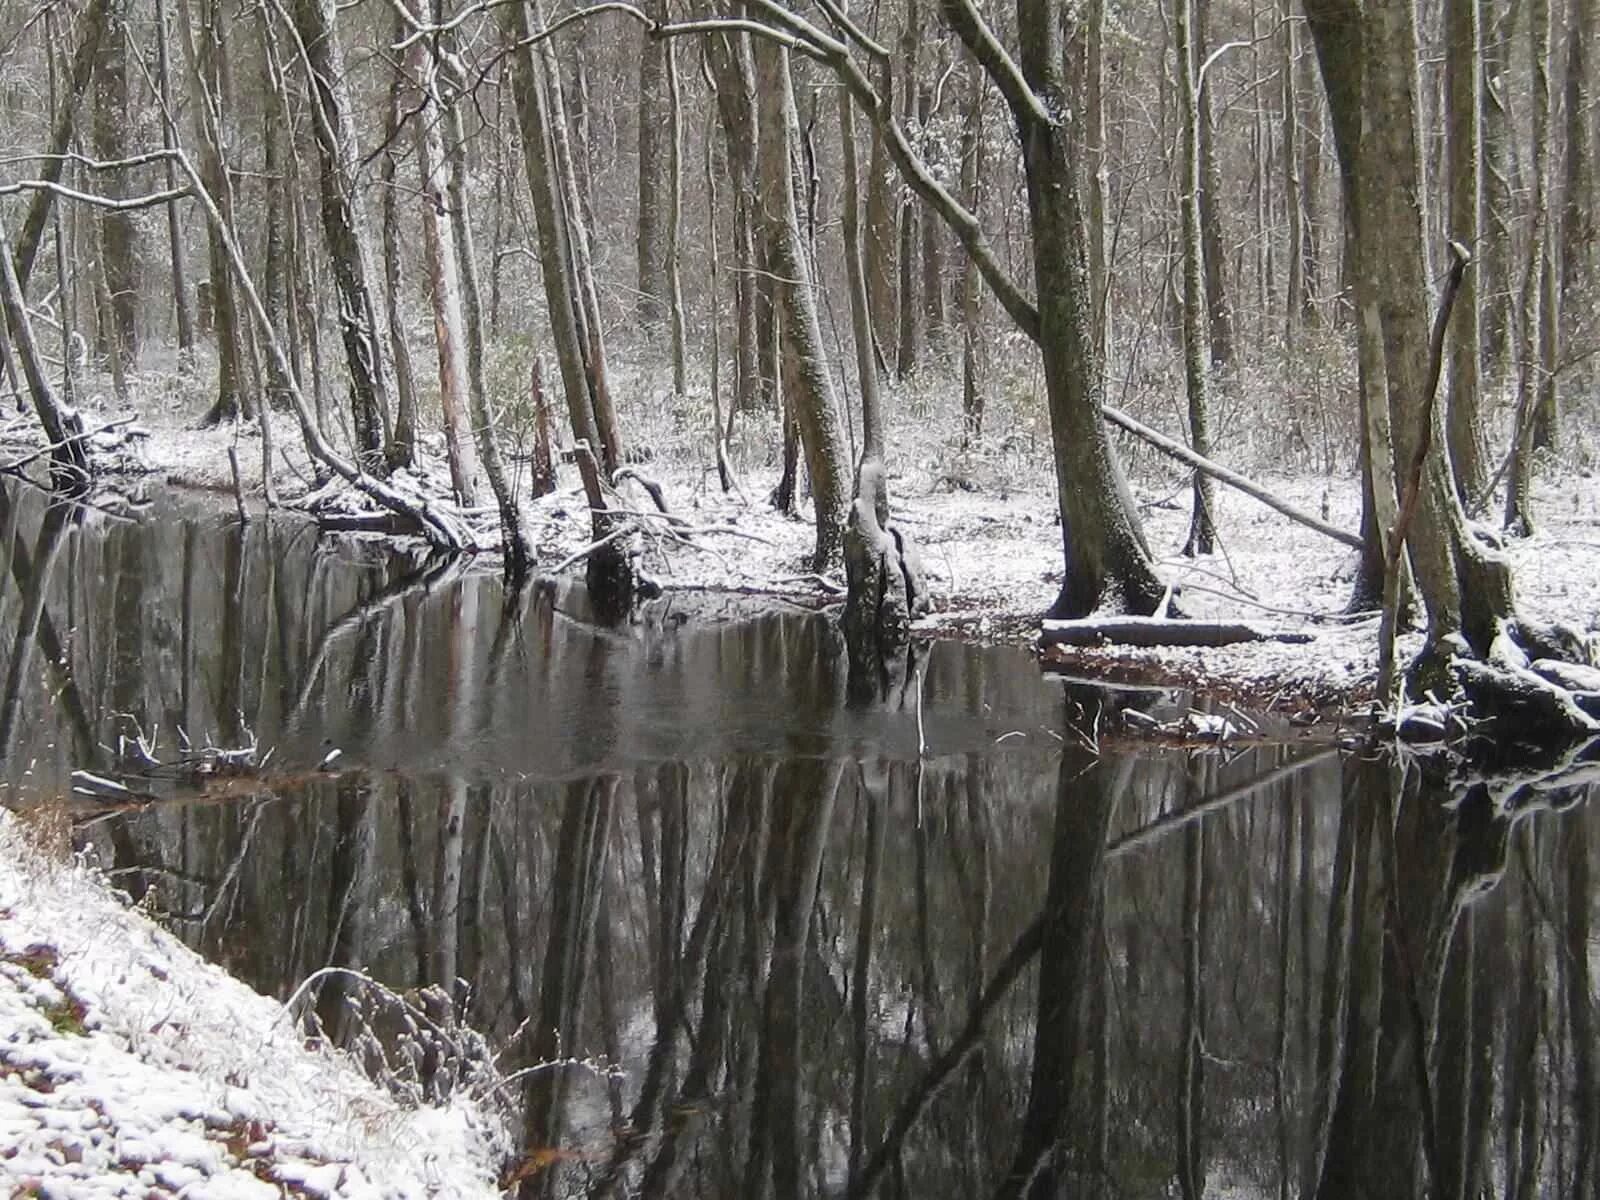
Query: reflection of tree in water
point(1008, 971)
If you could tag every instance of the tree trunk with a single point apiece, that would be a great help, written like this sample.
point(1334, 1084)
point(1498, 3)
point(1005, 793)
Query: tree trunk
point(118, 230)
point(1196, 313)
point(1465, 589)
point(855, 277)
point(1496, 23)
point(881, 249)
point(1536, 357)
point(651, 305)
point(549, 212)
point(402, 446)
point(812, 401)
point(1107, 559)
point(342, 225)
point(1217, 303)
point(674, 251)
point(1463, 59)
point(182, 301)
point(208, 69)
point(514, 545)
point(1295, 294)
point(972, 165)
point(63, 429)
point(445, 281)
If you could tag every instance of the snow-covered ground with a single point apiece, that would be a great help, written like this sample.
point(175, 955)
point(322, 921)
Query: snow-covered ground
point(984, 521)
point(131, 1067)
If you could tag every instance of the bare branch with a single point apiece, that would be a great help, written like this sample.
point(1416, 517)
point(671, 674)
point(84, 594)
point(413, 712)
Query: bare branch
point(129, 204)
point(1026, 107)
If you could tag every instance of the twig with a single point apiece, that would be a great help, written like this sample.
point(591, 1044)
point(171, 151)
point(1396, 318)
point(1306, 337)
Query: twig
point(599, 544)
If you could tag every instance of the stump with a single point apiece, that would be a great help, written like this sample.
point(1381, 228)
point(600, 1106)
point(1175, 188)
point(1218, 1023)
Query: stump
point(885, 588)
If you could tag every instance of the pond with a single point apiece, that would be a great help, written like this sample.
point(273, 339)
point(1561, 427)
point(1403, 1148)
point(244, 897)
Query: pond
point(776, 943)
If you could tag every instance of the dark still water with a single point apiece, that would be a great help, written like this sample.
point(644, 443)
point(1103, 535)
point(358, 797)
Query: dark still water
point(777, 949)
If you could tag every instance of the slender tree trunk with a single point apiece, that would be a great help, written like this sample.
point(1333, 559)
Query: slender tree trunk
point(1463, 59)
point(445, 283)
point(1535, 377)
point(182, 301)
point(813, 405)
point(674, 253)
point(856, 279)
point(1496, 23)
point(650, 246)
point(549, 211)
point(118, 230)
point(1295, 296)
point(1217, 303)
point(208, 69)
point(402, 446)
point(1196, 313)
point(972, 165)
point(514, 545)
point(880, 250)
point(342, 224)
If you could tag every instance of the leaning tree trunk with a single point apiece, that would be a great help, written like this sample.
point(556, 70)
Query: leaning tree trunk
point(69, 462)
point(342, 225)
point(812, 401)
point(1107, 558)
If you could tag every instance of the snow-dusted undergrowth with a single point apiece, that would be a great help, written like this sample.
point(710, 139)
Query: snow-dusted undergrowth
point(982, 513)
point(131, 1067)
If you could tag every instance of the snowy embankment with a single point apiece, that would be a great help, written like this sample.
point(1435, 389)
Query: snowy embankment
point(984, 522)
point(131, 1067)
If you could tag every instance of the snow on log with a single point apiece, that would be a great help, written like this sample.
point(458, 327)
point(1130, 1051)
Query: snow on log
point(1159, 631)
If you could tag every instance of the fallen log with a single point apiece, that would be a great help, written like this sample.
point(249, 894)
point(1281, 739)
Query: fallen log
point(1159, 631)
point(1223, 475)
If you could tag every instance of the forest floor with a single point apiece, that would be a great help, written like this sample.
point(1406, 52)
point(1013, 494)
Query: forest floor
point(983, 518)
point(130, 1067)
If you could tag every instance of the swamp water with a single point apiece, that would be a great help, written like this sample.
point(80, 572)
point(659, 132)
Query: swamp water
point(785, 945)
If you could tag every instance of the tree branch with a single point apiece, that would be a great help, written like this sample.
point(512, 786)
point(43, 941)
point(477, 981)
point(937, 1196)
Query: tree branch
point(1026, 107)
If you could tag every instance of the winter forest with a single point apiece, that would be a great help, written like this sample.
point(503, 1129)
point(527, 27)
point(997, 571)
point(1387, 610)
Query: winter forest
point(481, 239)
point(803, 598)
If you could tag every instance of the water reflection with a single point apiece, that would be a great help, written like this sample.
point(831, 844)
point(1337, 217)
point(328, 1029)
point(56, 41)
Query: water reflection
point(823, 964)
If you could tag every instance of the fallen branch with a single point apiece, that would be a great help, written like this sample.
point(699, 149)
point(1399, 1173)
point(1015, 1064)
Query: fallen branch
point(1159, 631)
point(16, 464)
point(1223, 475)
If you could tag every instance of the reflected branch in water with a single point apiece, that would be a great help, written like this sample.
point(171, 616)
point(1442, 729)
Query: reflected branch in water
point(34, 591)
point(418, 584)
point(1174, 821)
point(63, 683)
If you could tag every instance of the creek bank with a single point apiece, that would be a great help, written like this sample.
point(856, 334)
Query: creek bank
point(991, 556)
point(131, 1067)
